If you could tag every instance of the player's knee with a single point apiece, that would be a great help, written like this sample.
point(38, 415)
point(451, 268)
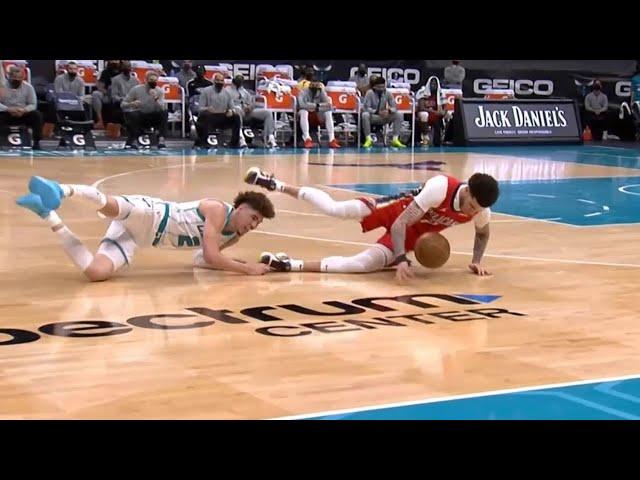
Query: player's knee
point(97, 274)
point(100, 269)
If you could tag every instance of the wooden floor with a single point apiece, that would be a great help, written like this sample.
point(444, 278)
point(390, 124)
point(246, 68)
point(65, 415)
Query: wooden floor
point(578, 313)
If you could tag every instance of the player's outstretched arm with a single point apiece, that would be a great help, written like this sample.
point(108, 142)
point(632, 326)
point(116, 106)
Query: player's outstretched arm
point(479, 246)
point(215, 215)
point(411, 215)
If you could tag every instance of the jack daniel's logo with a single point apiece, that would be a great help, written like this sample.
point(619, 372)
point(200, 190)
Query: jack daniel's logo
point(517, 117)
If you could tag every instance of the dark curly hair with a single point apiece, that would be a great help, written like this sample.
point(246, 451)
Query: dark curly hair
point(484, 188)
point(256, 200)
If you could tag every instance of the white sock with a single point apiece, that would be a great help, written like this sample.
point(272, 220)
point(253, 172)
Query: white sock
point(87, 192)
point(77, 252)
point(323, 202)
point(297, 265)
point(280, 186)
point(53, 219)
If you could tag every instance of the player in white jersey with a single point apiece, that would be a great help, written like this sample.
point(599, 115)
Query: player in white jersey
point(139, 221)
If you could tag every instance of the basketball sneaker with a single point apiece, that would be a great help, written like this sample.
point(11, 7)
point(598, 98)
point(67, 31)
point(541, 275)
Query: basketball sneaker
point(33, 202)
point(255, 176)
point(280, 262)
point(49, 191)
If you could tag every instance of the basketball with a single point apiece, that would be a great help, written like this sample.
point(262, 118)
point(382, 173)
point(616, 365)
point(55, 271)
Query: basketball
point(432, 250)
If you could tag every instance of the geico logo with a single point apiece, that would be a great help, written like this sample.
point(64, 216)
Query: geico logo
point(14, 139)
point(144, 140)
point(343, 98)
point(212, 140)
point(520, 87)
point(623, 89)
point(80, 72)
point(166, 88)
point(248, 133)
point(248, 70)
point(405, 75)
point(78, 139)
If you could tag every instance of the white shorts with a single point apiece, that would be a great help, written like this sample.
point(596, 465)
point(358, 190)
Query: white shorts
point(140, 229)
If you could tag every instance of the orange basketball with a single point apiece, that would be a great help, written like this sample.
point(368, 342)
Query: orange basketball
point(432, 250)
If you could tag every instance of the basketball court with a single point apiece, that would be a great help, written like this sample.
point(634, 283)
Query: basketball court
point(556, 324)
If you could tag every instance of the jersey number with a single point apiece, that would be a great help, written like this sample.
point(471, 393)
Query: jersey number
point(188, 241)
point(191, 241)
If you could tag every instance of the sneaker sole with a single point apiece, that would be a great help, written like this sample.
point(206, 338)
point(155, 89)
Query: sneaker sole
point(30, 202)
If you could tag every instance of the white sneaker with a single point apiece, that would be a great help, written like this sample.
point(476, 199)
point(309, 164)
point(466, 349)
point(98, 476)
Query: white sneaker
point(255, 176)
point(271, 142)
point(280, 262)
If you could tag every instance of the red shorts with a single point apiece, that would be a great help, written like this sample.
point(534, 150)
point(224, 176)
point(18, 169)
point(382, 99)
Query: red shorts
point(315, 120)
point(386, 215)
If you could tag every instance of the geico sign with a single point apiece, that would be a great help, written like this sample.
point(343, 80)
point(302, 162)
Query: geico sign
point(405, 75)
point(520, 87)
point(248, 70)
point(623, 89)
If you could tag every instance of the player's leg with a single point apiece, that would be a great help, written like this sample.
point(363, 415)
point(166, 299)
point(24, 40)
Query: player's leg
point(355, 208)
point(116, 250)
point(94, 268)
point(373, 259)
point(53, 193)
point(46, 196)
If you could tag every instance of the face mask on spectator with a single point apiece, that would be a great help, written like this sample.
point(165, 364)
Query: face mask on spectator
point(15, 83)
point(72, 75)
point(218, 86)
point(152, 84)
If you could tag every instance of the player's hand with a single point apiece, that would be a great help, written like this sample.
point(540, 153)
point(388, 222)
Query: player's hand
point(478, 269)
point(403, 272)
point(257, 268)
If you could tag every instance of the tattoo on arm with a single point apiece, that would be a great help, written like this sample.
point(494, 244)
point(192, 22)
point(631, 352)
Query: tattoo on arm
point(411, 215)
point(480, 244)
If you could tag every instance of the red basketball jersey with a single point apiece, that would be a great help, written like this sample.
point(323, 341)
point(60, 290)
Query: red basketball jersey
point(434, 219)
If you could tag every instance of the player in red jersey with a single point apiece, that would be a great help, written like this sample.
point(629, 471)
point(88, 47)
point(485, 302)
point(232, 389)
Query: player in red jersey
point(443, 201)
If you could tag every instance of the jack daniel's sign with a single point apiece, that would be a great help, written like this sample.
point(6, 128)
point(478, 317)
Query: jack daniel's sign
point(517, 121)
